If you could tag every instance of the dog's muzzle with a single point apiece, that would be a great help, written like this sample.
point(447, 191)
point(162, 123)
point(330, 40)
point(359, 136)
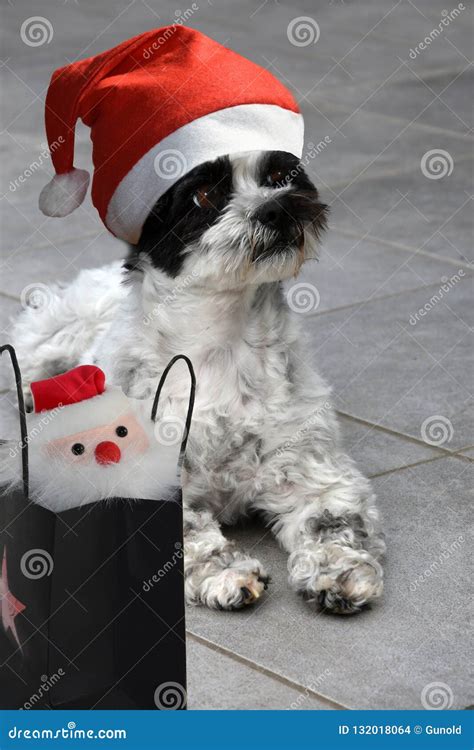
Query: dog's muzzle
point(280, 222)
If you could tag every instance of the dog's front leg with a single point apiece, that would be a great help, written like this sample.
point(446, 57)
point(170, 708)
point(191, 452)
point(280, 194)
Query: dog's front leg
point(217, 574)
point(325, 517)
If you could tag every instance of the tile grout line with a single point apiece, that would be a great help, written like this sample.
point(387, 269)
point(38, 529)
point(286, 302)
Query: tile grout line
point(9, 296)
point(374, 425)
point(418, 463)
point(212, 646)
point(314, 315)
point(405, 248)
point(408, 169)
point(343, 109)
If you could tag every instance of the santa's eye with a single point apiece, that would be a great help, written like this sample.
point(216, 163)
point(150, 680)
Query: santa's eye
point(78, 449)
point(202, 197)
point(275, 178)
point(121, 431)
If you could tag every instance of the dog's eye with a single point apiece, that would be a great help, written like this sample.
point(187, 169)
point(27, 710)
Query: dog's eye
point(276, 178)
point(121, 431)
point(202, 197)
point(78, 449)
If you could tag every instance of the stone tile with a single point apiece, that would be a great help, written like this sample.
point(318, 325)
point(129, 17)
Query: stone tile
point(384, 657)
point(439, 99)
point(376, 451)
point(342, 276)
point(354, 146)
point(432, 214)
point(392, 369)
point(216, 681)
point(61, 262)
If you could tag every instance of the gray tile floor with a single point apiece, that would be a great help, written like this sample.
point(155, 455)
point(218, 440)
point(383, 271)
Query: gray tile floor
point(401, 232)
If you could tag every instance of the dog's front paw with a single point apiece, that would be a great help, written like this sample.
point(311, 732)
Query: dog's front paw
point(234, 587)
point(338, 579)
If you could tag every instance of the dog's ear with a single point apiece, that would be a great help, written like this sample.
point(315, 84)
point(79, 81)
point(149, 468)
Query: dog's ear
point(157, 240)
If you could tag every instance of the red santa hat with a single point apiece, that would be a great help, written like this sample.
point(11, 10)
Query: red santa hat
point(158, 105)
point(89, 403)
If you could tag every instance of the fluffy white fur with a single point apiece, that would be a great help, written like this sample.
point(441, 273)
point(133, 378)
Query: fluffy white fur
point(64, 193)
point(264, 435)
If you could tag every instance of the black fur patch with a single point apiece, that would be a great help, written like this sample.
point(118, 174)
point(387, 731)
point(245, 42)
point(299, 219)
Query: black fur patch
point(176, 220)
point(328, 525)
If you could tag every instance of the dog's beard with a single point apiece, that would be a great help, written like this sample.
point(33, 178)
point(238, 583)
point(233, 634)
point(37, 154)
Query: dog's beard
point(242, 249)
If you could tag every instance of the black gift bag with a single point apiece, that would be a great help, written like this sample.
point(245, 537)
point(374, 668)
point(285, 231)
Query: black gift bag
point(92, 598)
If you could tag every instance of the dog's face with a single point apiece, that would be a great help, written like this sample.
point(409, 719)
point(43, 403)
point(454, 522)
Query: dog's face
point(247, 218)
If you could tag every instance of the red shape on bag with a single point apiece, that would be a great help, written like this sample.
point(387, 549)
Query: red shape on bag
point(107, 452)
point(79, 384)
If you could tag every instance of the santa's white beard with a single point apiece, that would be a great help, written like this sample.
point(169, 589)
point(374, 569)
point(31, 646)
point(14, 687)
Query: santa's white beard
point(59, 486)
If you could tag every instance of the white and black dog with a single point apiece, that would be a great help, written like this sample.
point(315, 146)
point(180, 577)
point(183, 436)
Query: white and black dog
point(205, 280)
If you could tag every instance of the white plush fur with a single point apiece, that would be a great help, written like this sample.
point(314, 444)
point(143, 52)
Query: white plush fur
point(264, 436)
point(64, 193)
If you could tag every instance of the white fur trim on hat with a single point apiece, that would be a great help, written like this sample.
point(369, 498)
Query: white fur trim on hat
point(245, 127)
point(64, 193)
point(84, 415)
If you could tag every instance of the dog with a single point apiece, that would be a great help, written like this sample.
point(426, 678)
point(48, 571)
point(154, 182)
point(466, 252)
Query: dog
point(205, 279)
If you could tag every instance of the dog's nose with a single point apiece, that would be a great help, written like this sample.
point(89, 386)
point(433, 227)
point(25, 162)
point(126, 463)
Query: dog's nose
point(107, 452)
point(269, 214)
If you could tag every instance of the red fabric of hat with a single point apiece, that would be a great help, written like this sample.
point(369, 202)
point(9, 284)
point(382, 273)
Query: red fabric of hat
point(79, 384)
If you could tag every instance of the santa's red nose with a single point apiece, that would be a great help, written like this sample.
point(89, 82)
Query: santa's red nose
point(107, 453)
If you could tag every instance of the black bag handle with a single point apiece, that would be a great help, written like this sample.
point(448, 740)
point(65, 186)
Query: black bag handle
point(192, 395)
point(22, 411)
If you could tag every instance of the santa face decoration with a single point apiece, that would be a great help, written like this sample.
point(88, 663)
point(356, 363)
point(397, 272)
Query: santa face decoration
point(87, 443)
point(105, 445)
